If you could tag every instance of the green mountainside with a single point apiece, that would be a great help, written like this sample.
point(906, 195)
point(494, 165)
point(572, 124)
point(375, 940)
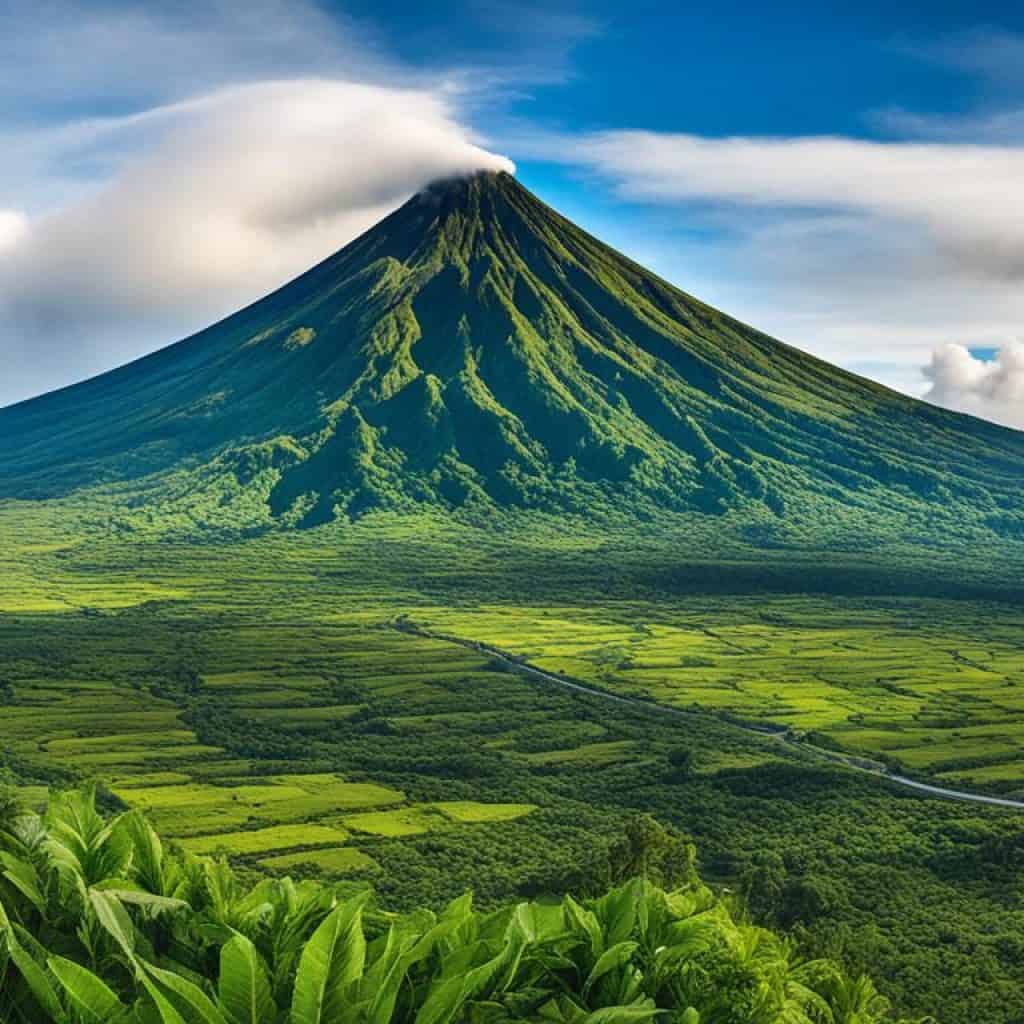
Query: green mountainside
point(477, 349)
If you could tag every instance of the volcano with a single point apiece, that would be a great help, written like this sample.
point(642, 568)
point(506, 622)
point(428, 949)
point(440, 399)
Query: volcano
point(476, 349)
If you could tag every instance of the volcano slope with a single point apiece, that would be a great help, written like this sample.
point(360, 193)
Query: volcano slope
point(477, 350)
point(479, 420)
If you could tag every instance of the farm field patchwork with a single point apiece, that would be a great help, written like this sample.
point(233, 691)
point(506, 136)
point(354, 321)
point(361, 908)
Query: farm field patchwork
point(933, 685)
point(910, 681)
point(138, 741)
point(282, 714)
point(908, 684)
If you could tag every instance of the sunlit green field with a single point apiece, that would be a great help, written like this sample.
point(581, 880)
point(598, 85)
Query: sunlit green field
point(925, 684)
point(267, 700)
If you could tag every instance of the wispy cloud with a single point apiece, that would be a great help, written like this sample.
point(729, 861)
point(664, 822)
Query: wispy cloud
point(62, 56)
point(79, 84)
point(992, 62)
point(966, 198)
point(247, 187)
point(547, 35)
point(987, 51)
point(996, 127)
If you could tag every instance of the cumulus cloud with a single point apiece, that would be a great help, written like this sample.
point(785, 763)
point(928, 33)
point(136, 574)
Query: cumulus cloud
point(246, 187)
point(993, 388)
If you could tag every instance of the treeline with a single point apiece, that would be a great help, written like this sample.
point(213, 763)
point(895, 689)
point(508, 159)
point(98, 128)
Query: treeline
point(101, 924)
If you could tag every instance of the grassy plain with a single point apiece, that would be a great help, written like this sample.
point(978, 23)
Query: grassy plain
point(256, 698)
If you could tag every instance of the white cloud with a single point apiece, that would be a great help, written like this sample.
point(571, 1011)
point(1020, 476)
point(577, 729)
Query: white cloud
point(990, 388)
point(993, 127)
point(171, 162)
point(968, 198)
point(13, 229)
point(246, 188)
point(80, 82)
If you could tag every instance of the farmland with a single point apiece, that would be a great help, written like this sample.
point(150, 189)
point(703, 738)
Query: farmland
point(267, 700)
point(928, 686)
point(932, 683)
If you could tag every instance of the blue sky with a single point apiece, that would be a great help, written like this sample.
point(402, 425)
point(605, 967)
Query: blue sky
point(845, 178)
point(714, 69)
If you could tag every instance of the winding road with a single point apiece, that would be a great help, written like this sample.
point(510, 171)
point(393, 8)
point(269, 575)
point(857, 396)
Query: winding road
point(516, 663)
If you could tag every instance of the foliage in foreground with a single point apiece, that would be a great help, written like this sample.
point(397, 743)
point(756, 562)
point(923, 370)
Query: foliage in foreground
point(98, 923)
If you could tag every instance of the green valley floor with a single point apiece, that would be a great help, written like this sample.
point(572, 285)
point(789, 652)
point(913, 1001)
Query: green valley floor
point(272, 699)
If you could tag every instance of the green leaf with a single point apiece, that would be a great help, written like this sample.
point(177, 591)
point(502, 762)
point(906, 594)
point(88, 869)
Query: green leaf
point(114, 919)
point(89, 995)
point(185, 997)
point(24, 878)
point(332, 959)
point(147, 851)
point(35, 977)
point(617, 911)
point(622, 1014)
point(384, 979)
point(244, 988)
point(141, 898)
point(84, 847)
point(404, 951)
point(585, 921)
point(447, 998)
point(455, 915)
point(612, 958)
point(168, 1014)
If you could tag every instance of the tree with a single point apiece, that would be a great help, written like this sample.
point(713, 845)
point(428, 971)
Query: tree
point(680, 761)
point(648, 849)
point(762, 884)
